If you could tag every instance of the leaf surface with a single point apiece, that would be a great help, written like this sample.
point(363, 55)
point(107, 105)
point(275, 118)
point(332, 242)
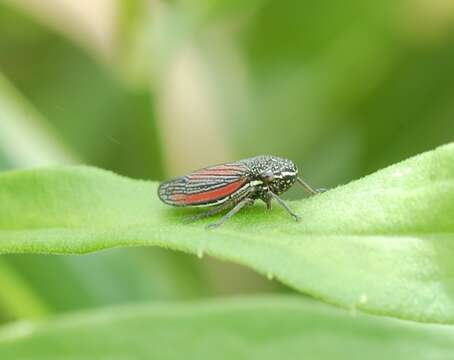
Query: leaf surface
point(243, 328)
point(383, 244)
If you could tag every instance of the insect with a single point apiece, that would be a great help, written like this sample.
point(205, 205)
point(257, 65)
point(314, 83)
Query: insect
point(233, 186)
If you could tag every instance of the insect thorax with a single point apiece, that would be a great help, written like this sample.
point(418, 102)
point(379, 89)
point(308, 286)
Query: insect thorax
point(284, 173)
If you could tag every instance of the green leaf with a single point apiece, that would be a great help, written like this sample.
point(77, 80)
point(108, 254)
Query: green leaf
point(243, 328)
point(35, 285)
point(383, 244)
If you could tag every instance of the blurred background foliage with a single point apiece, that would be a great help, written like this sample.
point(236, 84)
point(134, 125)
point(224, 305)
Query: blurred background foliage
point(153, 88)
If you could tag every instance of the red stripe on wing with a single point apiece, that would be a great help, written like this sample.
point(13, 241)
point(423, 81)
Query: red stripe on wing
point(207, 196)
point(204, 186)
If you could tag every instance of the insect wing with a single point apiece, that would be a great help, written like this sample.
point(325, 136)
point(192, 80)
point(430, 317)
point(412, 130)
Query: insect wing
point(206, 186)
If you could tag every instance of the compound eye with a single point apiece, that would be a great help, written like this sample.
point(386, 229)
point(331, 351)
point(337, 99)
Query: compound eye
point(267, 176)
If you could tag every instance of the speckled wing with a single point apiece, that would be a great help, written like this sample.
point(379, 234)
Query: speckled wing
point(208, 186)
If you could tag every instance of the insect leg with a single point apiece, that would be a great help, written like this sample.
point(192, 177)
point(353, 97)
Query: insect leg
point(309, 188)
point(235, 209)
point(284, 205)
point(268, 200)
point(210, 212)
